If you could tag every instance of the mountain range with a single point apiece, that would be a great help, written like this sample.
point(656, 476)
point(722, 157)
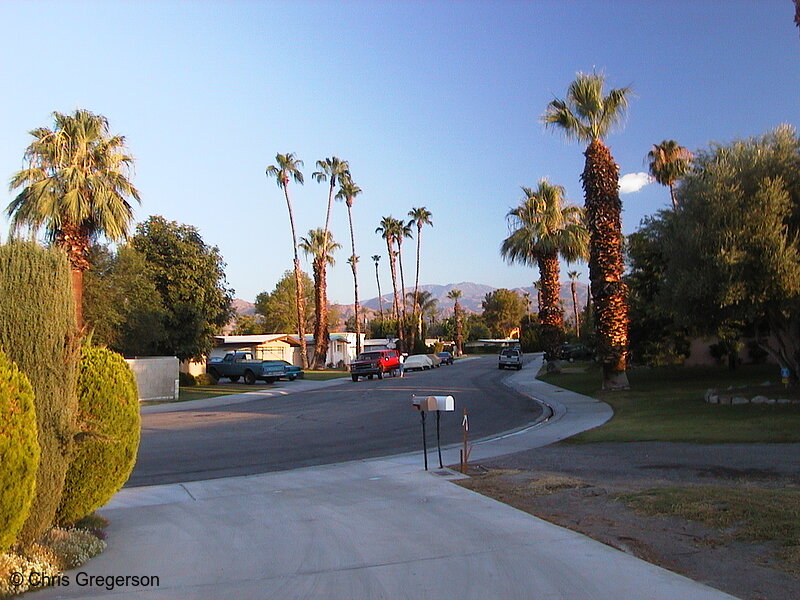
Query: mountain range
point(472, 294)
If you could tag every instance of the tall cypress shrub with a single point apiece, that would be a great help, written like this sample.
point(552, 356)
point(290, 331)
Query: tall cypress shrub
point(19, 451)
point(38, 333)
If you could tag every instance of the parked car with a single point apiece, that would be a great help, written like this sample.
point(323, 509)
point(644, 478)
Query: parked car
point(576, 352)
point(293, 372)
point(418, 362)
point(447, 358)
point(510, 358)
point(437, 362)
point(242, 364)
point(375, 362)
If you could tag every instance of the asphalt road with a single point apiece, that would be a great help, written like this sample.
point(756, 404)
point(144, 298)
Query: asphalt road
point(340, 423)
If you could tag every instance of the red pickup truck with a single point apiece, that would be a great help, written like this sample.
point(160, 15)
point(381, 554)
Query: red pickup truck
point(375, 362)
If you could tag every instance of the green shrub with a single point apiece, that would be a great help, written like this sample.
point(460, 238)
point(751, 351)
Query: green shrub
point(186, 379)
point(37, 331)
point(19, 451)
point(105, 452)
point(205, 379)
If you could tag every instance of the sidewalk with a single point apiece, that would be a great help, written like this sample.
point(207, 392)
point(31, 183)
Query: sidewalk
point(379, 528)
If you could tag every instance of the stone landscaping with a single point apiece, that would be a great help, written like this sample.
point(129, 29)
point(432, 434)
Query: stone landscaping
point(735, 395)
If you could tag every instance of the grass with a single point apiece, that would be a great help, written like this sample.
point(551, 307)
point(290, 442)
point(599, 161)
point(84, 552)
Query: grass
point(666, 404)
point(325, 375)
point(744, 514)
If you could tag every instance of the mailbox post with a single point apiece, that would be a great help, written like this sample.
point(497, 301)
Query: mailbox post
point(430, 403)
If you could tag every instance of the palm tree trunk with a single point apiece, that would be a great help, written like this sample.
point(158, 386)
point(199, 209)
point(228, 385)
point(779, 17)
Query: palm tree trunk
point(672, 196)
point(459, 335)
point(416, 283)
point(321, 310)
point(609, 293)
point(550, 314)
point(299, 299)
point(355, 278)
point(74, 240)
point(574, 289)
point(402, 279)
point(328, 212)
point(380, 298)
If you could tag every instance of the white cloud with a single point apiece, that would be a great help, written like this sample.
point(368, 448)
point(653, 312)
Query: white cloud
point(633, 182)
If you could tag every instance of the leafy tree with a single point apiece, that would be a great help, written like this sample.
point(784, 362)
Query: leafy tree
point(348, 192)
point(122, 305)
point(249, 325)
point(502, 311)
point(668, 162)
point(543, 229)
point(321, 248)
point(75, 184)
point(289, 168)
point(588, 114)
point(733, 250)
point(190, 278)
point(277, 308)
point(454, 295)
point(476, 328)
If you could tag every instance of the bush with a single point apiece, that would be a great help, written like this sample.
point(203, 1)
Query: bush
point(186, 379)
point(108, 408)
point(38, 333)
point(19, 451)
point(205, 379)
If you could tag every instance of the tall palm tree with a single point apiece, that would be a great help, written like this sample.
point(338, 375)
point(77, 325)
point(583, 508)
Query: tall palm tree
point(348, 192)
point(75, 184)
point(588, 114)
point(542, 230)
point(402, 231)
point(388, 230)
point(573, 287)
point(420, 216)
point(320, 247)
point(329, 170)
point(454, 295)
point(668, 162)
point(288, 167)
point(376, 258)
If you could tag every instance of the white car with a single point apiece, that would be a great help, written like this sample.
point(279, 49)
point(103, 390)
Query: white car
point(417, 362)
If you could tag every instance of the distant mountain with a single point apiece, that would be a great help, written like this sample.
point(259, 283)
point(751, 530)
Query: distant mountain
point(243, 307)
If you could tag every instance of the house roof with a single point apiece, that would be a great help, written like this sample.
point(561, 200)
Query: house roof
point(257, 339)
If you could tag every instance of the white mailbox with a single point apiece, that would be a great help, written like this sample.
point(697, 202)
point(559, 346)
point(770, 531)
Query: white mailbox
point(431, 403)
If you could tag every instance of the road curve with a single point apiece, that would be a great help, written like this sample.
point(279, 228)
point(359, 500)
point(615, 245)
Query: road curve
point(329, 425)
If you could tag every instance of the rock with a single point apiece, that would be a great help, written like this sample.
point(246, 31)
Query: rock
point(783, 401)
point(771, 401)
point(765, 384)
point(759, 400)
point(723, 399)
point(709, 393)
point(713, 399)
point(740, 400)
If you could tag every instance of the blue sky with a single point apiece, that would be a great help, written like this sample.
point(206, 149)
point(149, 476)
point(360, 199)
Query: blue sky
point(434, 104)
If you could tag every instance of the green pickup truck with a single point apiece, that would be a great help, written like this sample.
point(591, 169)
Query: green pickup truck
point(241, 364)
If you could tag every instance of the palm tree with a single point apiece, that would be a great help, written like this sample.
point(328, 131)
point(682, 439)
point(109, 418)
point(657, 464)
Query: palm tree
point(573, 286)
point(542, 231)
point(329, 170)
point(669, 162)
point(402, 231)
point(388, 229)
point(348, 191)
point(588, 115)
point(376, 258)
point(420, 216)
point(289, 167)
point(75, 184)
point(455, 295)
point(320, 247)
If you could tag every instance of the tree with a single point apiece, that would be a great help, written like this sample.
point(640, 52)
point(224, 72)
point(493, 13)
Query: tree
point(388, 229)
point(376, 258)
point(668, 162)
point(588, 115)
point(573, 288)
point(402, 231)
point(348, 192)
point(733, 250)
point(75, 184)
point(320, 247)
point(289, 167)
point(420, 216)
point(542, 230)
point(454, 295)
point(190, 278)
point(329, 170)
point(122, 305)
point(502, 311)
point(277, 308)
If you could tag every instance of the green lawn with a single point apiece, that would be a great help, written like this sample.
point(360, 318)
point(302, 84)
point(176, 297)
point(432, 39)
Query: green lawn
point(666, 404)
point(325, 375)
